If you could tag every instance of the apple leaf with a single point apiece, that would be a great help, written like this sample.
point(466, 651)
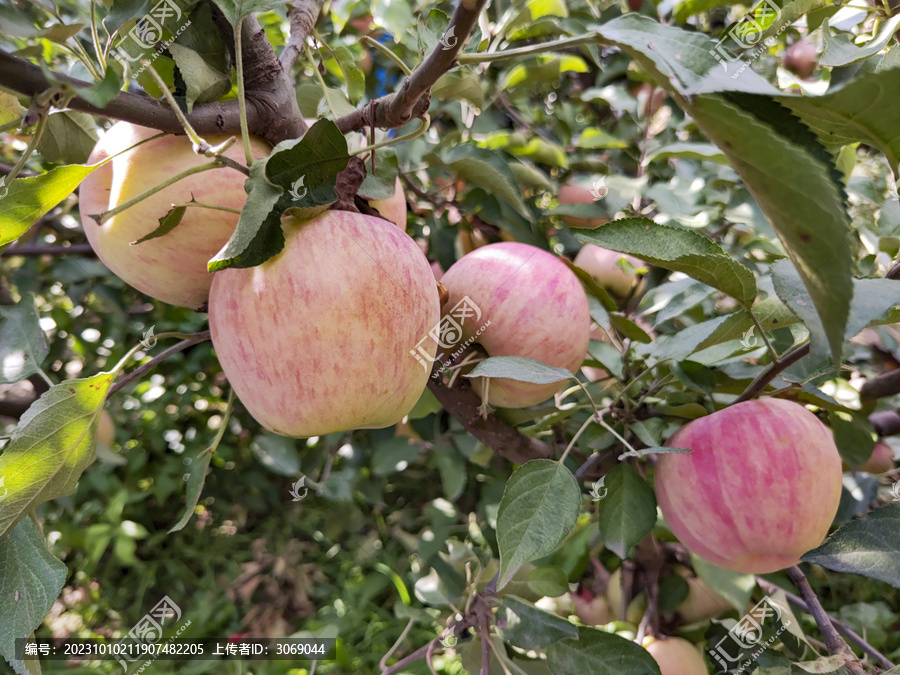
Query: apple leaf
point(25, 200)
point(853, 437)
point(840, 50)
point(681, 59)
point(706, 151)
point(599, 653)
point(872, 301)
point(520, 368)
point(735, 587)
point(69, 137)
point(51, 447)
point(527, 627)
point(789, 287)
point(383, 183)
point(31, 579)
point(258, 235)
point(677, 249)
point(863, 110)
point(869, 546)
point(807, 212)
point(23, 345)
point(166, 224)
point(236, 10)
point(539, 506)
point(354, 78)
point(593, 288)
point(194, 487)
point(277, 453)
point(771, 313)
point(488, 169)
point(628, 512)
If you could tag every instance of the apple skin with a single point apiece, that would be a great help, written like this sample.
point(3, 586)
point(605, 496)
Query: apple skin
point(801, 58)
point(537, 309)
point(702, 602)
point(634, 612)
point(106, 430)
point(676, 656)
point(318, 338)
point(394, 207)
point(573, 193)
point(592, 610)
point(759, 490)
point(601, 264)
point(880, 461)
point(171, 268)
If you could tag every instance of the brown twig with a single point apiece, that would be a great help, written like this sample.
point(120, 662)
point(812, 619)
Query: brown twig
point(886, 384)
point(771, 372)
point(194, 339)
point(303, 15)
point(833, 641)
point(397, 109)
point(31, 251)
point(463, 404)
point(848, 632)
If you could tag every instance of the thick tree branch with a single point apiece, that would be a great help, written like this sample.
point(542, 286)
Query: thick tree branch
point(463, 404)
point(395, 110)
point(886, 384)
point(833, 641)
point(303, 15)
point(771, 372)
point(848, 632)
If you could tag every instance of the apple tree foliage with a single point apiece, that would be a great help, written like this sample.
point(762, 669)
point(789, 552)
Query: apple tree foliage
point(765, 206)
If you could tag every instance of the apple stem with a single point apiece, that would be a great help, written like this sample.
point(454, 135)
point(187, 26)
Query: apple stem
point(242, 99)
point(106, 215)
point(384, 49)
point(833, 641)
point(599, 419)
point(542, 48)
point(762, 334)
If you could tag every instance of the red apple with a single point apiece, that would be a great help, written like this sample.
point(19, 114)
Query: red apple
point(171, 268)
point(759, 490)
point(603, 265)
point(537, 309)
point(394, 207)
point(593, 610)
point(318, 338)
point(575, 193)
point(880, 461)
point(801, 58)
point(676, 656)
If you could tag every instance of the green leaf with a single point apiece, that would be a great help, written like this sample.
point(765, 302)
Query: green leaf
point(166, 224)
point(596, 139)
point(695, 376)
point(203, 82)
point(535, 10)
point(393, 456)
point(869, 546)
point(23, 345)
point(235, 10)
point(383, 183)
point(539, 507)
point(354, 78)
point(258, 235)
point(853, 436)
point(27, 199)
point(486, 169)
point(628, 512)
point(527, 627)
point(872, 300)
point(807, 212)
point(679, 59)
point(706, 151)
point(789, 287)
point(459, 84)
point(195, 482)
point(69, 137)
point(865, 109)
point(520, 368)
point(592, 287)
point(52, 445)
point(277, 453)
point(735, 587)
point(550, 581)
point(677, 249)
point(599, 653)
point(771, 313)
point(840, 50)
point(31, 579)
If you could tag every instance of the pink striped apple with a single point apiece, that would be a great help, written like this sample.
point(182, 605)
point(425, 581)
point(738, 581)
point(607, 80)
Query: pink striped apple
point(171, 268)
point(603, 265)
point(537, 309)
point(576, 192)
point(880, 461)
point(759, 490)
point(318, 338)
